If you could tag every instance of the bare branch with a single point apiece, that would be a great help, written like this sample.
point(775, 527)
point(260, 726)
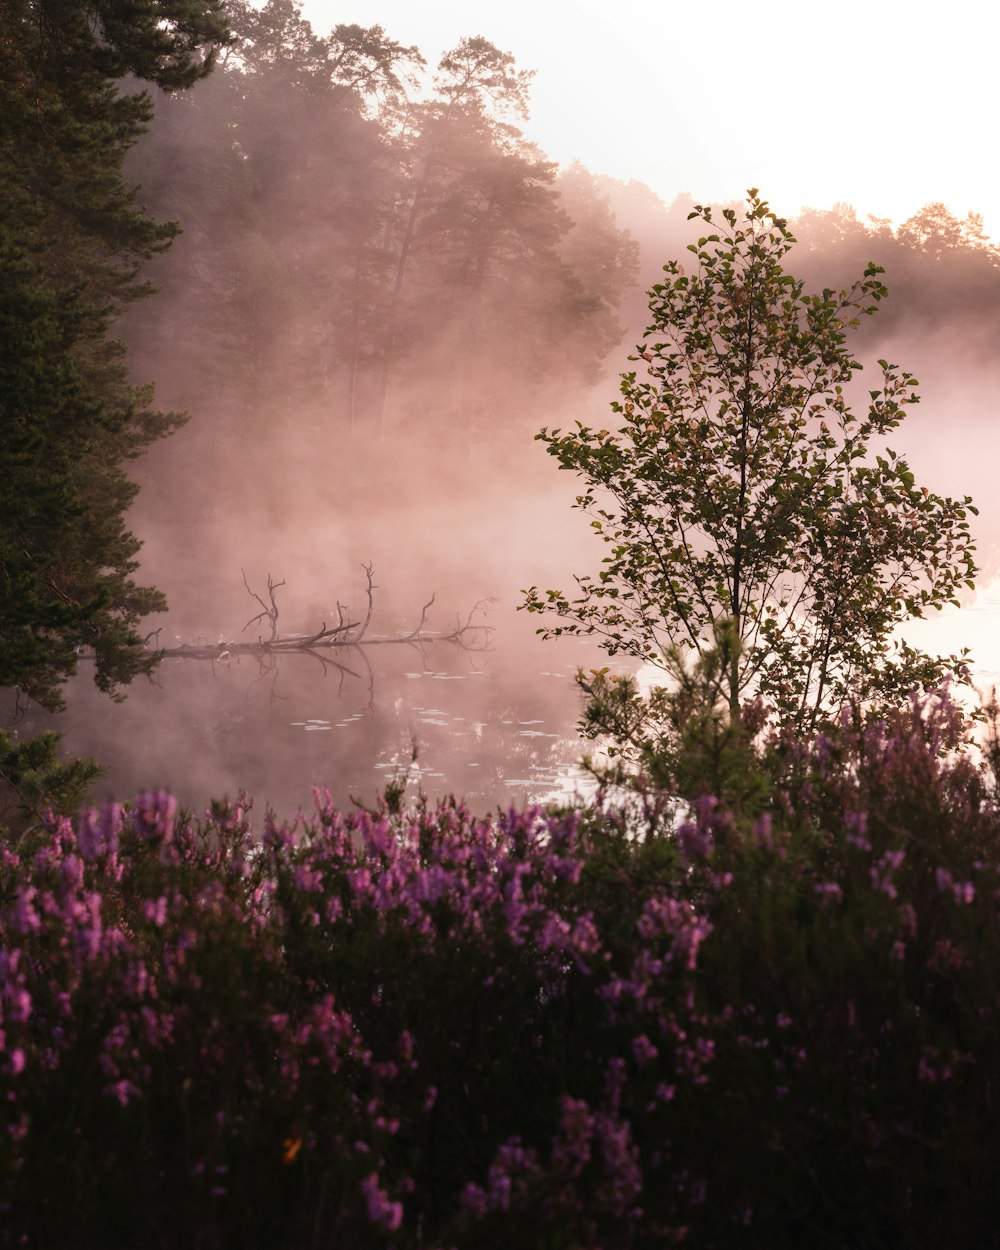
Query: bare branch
point(369, 590)
point(481, 634)
point(422, 622)
point(303, 644)
point(468, 634)
point(271, 612)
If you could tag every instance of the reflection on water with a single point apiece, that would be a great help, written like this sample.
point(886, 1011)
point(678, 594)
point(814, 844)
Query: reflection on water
point(494, 728)
point(491, 727)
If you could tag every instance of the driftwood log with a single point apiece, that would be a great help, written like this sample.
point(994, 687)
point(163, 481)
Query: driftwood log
point(469, 634)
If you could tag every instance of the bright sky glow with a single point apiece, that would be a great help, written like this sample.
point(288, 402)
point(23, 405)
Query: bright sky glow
point(883, 104)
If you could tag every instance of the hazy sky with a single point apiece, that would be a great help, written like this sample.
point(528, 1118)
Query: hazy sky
point(884, 104)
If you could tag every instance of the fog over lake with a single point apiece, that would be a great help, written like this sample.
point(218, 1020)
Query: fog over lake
point(389, 279)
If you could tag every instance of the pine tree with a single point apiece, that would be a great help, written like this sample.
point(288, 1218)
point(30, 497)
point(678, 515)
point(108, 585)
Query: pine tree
point(73, 240)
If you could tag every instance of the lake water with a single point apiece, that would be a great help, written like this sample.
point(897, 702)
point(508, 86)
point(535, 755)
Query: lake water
point(494, 726)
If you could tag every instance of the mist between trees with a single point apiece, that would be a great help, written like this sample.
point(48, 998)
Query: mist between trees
point(381, 291)
point(754, 1003)
point(372, 291)
point(371, 248)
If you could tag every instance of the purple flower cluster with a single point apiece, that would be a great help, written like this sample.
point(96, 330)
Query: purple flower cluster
point(541, 1028)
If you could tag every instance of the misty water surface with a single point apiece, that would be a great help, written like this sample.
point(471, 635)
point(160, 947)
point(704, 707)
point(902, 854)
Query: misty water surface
point(493, 727)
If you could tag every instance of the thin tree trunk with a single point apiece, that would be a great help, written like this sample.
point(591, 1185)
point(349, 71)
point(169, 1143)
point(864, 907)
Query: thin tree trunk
point(473, 322)
point(389, 340)
point(352, 375)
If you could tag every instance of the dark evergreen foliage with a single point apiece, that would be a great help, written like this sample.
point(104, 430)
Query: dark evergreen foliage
point(73, 238)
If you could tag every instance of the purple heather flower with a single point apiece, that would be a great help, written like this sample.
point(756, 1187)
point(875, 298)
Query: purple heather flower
point(381, 1211)
point(829, 889)
point(26, 918)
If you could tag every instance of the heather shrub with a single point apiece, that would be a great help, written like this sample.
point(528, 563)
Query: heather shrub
point(567, 1030)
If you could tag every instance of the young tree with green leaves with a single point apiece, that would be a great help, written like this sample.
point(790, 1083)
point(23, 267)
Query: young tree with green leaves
point(742, 487)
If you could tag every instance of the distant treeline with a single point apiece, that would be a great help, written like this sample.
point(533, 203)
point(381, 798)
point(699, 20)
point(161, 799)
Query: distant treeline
point(397, 260)
point(941, 270)
point(388, 259)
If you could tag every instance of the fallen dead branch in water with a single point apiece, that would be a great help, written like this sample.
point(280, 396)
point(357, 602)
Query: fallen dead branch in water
point(469, 635)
